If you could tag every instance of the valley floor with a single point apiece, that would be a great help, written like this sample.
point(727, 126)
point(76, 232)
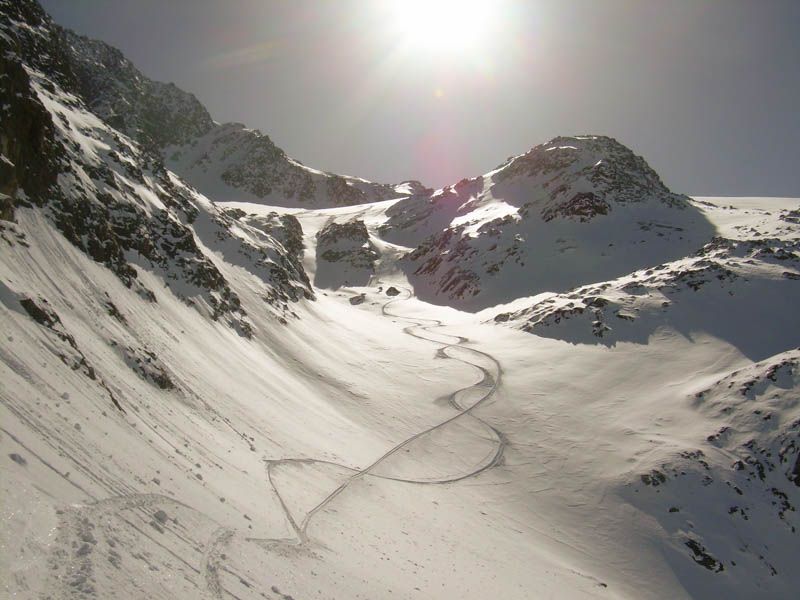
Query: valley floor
point(388, 449)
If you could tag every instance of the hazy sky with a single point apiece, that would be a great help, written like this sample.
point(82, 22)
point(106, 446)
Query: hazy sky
point(708, 91)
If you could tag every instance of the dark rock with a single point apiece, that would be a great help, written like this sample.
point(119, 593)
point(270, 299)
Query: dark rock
point(19, 459)
point(160, 516)
point(582, 206)
point(703, 558)
point(348, 246)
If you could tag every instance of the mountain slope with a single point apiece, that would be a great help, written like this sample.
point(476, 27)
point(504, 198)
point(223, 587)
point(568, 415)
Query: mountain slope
point(228, 161)
point(113, 199)
point(232, 163)
point(720, 290)
point(571, 211)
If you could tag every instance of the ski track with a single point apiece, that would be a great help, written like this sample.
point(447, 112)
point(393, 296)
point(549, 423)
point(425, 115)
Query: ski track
point(213, 554)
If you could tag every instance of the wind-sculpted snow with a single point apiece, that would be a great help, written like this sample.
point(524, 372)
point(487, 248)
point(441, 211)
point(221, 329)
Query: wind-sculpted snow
point(733, 499)
point(571, 211)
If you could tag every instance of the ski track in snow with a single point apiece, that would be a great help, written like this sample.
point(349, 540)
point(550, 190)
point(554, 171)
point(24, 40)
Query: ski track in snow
point(213, 554)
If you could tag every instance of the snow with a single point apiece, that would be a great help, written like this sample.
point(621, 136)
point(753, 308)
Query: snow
point(562, 511)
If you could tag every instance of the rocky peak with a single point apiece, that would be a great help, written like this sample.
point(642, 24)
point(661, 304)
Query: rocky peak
point(153, 113)
point(583, 176)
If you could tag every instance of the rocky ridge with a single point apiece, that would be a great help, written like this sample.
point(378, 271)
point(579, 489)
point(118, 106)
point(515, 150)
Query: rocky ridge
point(232, 162)
point(717, 289)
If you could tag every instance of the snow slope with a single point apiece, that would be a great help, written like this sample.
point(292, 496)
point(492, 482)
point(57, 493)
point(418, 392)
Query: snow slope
point(352, 426)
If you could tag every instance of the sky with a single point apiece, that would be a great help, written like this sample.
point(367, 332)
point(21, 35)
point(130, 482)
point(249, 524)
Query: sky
point(707, 91)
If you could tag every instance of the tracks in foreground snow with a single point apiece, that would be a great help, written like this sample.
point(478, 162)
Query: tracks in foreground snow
point(213, 555)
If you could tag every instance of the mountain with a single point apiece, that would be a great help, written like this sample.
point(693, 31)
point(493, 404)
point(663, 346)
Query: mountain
point(559, 379)
point(220, 160)
point(111, 197)
point(231, 162)
point(570, 211)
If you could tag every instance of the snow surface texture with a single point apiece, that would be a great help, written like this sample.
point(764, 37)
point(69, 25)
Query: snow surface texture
point(184, 415)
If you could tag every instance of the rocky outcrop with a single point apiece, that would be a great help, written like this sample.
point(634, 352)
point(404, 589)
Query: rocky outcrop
point(345, 255)
point(29, 156)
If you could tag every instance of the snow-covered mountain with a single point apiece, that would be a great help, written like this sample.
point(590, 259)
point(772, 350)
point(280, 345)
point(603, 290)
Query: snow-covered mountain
point(212, 387)
point(719, 288)
point(111, 197)
point(226, 161)
point(231, 162)
point(571, 211)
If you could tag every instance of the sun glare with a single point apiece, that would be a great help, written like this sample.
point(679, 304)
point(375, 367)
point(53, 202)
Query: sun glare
point(443, 26)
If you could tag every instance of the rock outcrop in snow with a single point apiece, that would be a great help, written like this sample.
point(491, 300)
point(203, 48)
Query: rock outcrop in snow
point(719, 498)
point(345, 255)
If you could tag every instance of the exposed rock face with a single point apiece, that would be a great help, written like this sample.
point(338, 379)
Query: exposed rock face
point(154, 114)
point(583, 206)
point(571, 211)
point(29, 158)
point(284, 228)
point(345, 255)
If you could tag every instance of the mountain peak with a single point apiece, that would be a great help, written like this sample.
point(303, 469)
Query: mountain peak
point(597, 164)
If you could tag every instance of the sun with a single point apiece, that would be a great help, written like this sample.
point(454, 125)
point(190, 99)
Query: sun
point(443, 26)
